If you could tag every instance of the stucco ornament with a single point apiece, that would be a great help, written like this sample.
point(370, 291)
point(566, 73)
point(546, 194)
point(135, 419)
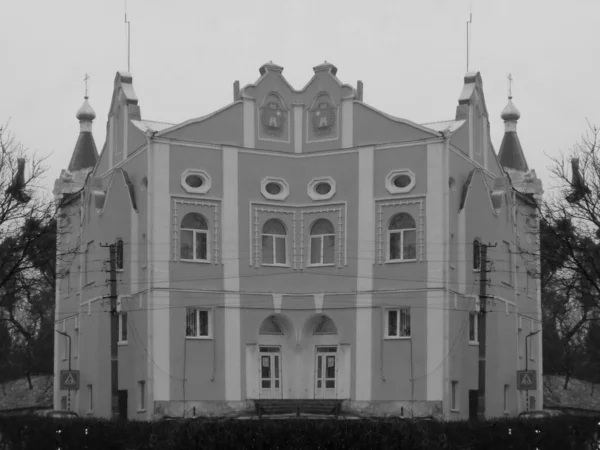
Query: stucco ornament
point(272, 117)
point(323, 117)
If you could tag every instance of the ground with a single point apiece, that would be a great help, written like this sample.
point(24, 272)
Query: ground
point(16, 394)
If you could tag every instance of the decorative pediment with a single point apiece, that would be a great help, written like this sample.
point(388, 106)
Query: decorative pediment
point(274, 123)
point(322, 120)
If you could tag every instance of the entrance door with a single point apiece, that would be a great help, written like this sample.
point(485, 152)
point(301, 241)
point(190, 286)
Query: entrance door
point(473, 404)
point(270, 372)
point(325, 372)
point(123, 405)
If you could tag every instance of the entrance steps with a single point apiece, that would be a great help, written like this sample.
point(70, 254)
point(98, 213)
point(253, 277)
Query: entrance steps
point(328, 407)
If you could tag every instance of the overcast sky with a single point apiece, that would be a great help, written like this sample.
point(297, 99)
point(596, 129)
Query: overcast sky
point(410, 55)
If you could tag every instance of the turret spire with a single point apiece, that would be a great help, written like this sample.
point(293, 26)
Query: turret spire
point(85, 153)
point(511, 154)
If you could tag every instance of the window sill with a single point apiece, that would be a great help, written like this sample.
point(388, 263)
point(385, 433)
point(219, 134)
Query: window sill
point(121, 343)
point(199, 338)
point(397, 338)
point(120, 270)
point(276, 265)
point(89, 413)
point(143, 410)
point(197, 261)
point(455, 410)
point(321, 265)
point(476, 270)
point(474, 343)
point(397, 261)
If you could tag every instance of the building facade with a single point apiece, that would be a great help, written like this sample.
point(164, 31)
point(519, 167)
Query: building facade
point(298, 244)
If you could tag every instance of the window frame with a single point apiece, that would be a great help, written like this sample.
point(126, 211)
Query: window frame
point(475, 322)
point(141, 385)
point(400, 231)
point(207, 182)
point(122, 316)
point(454, 396)
point(274, 238)
point(476, 266)
point(195, 232)
point(321, 237)
point(392, 188)
point(90, 396)
point(63, 328)
point(209, 325)
point(505, 398)
point(406, 310)
point(120, 255)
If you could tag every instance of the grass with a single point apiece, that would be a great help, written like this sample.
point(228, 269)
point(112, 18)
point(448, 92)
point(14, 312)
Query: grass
point(16, 393)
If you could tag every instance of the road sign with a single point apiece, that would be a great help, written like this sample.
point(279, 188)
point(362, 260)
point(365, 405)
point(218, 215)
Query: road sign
point(69, 380)
point(526, 380)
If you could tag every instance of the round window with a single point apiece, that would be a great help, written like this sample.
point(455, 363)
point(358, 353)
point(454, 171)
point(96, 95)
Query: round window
point(323, 188)
point(194, 181)
point(401, 181)
point(273, 188)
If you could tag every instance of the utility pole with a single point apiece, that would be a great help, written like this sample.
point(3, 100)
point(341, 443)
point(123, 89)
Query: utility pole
point(114, 331)
point(482, 329)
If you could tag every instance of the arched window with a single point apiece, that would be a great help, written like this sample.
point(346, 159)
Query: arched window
point(402, 238)
point(120, 254)
point(322, 243)
point(326, 326)
point(194, 238)
point(476, 255)
point(273, 243)
point(269, 326)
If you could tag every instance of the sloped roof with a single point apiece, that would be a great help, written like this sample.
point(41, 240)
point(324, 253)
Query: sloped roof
point(145, 125)
point(85, 154)
point(511, 154)
point(445, 125)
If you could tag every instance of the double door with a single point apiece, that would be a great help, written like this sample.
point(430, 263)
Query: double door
point(326, 372)
point(270, 372)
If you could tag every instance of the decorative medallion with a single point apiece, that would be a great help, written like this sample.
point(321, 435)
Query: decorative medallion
point(323, 117)
point(273, 118)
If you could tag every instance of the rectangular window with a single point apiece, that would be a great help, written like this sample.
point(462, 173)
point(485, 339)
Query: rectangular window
point(122, 328)
point(90, 392)
point(64, 342)
point(473, 331)
point(322, 249)
point(187, 244)
point(454, 396)
point(274, 249)
point(197, 323)
point(194, 245)
point(142, 395)
point(398, 322)
point(506, 386)
point(120, 254)
point(403, 245)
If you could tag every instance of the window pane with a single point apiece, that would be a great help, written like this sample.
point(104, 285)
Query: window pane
point(190, 323)
point(329, 384)
point(203, 317)
point(275, 366)
point(318, 384)
point(201, 246)
point(266, 367)
point(392, 323)
point(410, 244)
point(402, 221)
point(395, 246)
point(476, 255)
point(267, 249)
point(187, 243)
point(315, 250)
point(330, 373)
point(120, 254)
point(194, 221)
point(405, 322)
point(124, 326)
point(319, 366)
point(266, 384)
point(322, 226)
point(273, 226)
point(472, 327)
point(328, 249)
point(280, 256)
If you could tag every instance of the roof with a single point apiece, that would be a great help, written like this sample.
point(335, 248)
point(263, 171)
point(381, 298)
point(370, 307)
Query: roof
point(445, 125)
point(145, 125)
point(85, 153)
point(511, 154)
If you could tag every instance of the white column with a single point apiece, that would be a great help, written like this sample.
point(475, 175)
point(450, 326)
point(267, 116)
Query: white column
point(471, 149)
point(298, 113)
point(364, 280)
point(348, 122)
point(435, 211)
point(159, 304)
point(249, 123)
point(231, 272)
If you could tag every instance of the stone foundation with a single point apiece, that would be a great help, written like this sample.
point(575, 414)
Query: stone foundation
point(202, 408)
point(396, 408)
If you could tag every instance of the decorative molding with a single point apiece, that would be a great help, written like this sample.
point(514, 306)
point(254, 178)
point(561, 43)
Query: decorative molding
point(331, 112)
point(200, 189)
point(380, 204)
point(273, 119)
point(392, 188)
point(216, 228)
point(313, 194)
point(285, 188)
point(256, 232)
point(341, 235)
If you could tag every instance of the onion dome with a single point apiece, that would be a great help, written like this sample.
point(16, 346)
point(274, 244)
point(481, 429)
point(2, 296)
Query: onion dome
point(510, 112)
point(86, 112)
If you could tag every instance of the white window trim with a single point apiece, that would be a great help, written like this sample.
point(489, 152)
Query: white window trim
point(90, 397)
point(386, 322)
point(208, 249)
point(454, 395)
point(389, 259)
point(117, 254)
point(505, 392)
point(392, 188)
point(141, 404)
point(285, 188)
point(476, 315)
point(322, 238)
point(120, 334)
point(274, 237)
point(197, 319)
point(200, 173)
point(314, 195)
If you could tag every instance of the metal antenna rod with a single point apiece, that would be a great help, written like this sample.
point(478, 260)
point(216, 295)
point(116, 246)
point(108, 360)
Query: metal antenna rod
point(468, 40)
point(128, 40)
point(510, 79)
point(85, 79)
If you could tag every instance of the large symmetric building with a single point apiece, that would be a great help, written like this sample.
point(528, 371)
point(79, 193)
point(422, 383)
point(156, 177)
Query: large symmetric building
point(298, 244)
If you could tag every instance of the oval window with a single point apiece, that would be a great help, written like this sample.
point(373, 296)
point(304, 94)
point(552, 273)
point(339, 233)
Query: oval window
point(194, 181)
point(273, 188)
point(401, 181)
point(323, 188)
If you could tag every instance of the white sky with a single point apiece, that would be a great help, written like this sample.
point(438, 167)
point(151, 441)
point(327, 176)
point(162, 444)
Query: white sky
point(410, 55)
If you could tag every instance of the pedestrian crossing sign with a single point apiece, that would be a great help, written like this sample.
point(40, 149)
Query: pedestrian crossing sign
point(526, 380)
point(69, 380)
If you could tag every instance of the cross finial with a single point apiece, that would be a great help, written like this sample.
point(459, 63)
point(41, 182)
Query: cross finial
point(510, 79)
point(85, 80)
